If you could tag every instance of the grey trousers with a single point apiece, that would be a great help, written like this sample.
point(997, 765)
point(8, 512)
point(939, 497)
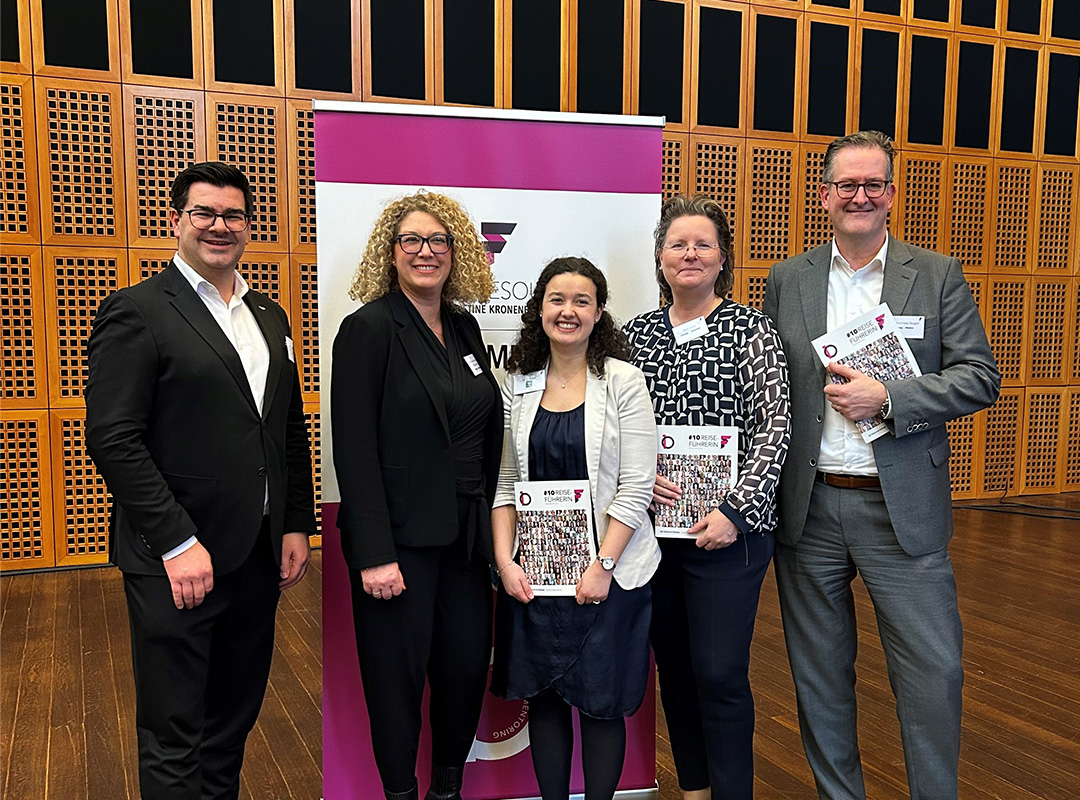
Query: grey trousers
point(848, 531)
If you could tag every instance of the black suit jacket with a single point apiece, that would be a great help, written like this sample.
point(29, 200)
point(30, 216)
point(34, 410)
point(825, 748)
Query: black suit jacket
point(392, 450)
point(172, 426)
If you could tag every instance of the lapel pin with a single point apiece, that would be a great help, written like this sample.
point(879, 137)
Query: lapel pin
point(262, 308)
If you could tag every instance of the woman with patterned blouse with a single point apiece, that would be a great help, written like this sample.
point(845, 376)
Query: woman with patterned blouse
point(710, 361)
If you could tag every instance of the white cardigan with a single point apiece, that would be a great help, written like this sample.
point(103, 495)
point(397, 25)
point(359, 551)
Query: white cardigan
point(620, 451)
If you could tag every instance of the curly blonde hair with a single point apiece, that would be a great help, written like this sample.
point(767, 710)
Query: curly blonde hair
point(470, 278)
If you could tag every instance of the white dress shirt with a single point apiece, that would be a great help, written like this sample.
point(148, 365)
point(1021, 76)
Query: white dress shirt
point(240, 328)
point(851, 293)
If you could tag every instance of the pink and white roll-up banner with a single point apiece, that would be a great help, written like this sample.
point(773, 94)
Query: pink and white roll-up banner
point(538, 186)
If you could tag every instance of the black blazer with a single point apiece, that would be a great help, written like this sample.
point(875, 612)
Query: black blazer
point(392, 451)
point(173, 428)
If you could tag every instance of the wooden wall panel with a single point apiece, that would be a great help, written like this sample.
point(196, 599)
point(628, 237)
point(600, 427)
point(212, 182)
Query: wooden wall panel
point(144, 263)
point(1048, 331)
point(813, 223)
point(751, 285)
point(1073, 370)
point(250, 133)
point(769, 192)
point(1071, 477)
point(1011, 243)
point(19, 210)
point(314, 420)
point(718, 170)
point(301, 158)
point(922, 183)
point(22, 304)
point(673, 159)
point(965, 463)
point(972, 203)
point(1042, 430)
point(304, 317)
point(26, 527)
point(127, 71)
point(80, 161)
point(1001, 453)
point(24, 65)
point(1008, 304)
point(76, 281)
point(268, 274)
point(163, 135)
point(80, 499)
point(276, 41)
point(1055, 248)
point(42, 68)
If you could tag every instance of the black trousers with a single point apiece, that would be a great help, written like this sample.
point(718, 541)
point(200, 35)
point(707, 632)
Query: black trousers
point(200, 677)
point(439, 628)
point(704, 606)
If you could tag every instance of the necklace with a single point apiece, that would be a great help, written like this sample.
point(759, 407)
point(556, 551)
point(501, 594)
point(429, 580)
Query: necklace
point(563, 383)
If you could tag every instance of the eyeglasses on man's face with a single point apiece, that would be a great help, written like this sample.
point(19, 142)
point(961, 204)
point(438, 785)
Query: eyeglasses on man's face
point(413, 243)
point(848, 189)
point(204, 219)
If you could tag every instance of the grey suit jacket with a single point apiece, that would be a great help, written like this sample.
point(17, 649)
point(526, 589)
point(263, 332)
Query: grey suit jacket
point(959, 378)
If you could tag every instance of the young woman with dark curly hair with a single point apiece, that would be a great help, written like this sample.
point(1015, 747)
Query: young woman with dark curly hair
point(589, 418)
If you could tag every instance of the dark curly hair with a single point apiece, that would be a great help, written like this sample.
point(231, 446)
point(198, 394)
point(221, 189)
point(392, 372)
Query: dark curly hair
point(532, 349)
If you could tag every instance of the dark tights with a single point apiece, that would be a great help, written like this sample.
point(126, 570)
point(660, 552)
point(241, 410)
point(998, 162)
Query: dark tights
point(551, 738)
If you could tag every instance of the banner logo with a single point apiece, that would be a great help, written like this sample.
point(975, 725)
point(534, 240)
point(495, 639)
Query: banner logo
point(667, 442)
point(577, 494)
point(829, 350)
point(724, 440)
point(525, 498)
point(495, 234)
point(880, 322)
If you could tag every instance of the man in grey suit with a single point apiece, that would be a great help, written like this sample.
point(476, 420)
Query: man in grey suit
point(882, 510)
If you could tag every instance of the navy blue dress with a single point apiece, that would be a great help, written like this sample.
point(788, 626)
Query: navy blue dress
point(595, 656)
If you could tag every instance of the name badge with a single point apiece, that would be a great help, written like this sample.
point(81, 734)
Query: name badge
point(289, 349)
point(688, 331)
point(910, 327)
point(533, 382)
point(474, 365)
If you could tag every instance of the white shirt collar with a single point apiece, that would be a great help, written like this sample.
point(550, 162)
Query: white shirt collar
point(838, 258)
point(240, 286)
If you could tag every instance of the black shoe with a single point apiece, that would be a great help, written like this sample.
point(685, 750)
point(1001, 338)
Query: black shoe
point(412, 794)
point(445, 783)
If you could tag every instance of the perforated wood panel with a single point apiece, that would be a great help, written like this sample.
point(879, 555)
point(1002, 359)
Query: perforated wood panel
point(302, 177)
point(971, 204)
point(304, 319)
point(672, 160)
point(769, 195)
point(1057, 201)
point(1075, 326)
point(164, 137)
point(247, 132)
point(19, 188)
point(22, 305)
point(922, 195)
point(1002, 448)
point(1012, 215)
point(79, 152)
point(144, 263)
point(77, 280)
point(751, 285)
point(1008, 301)
point(975, 283)
point(1042, 425)
point(26, 530)
point(269, 276)
point(314, 421)
point(717, 173)
point(80, 499)
point(1071, 479)
point(962, 464)
point(1049, 316)
point(816, 227)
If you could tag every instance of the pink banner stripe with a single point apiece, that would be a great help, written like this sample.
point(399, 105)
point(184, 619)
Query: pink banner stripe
point(486, 153)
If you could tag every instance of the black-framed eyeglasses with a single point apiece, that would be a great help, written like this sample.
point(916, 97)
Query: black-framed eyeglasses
point(848, 189)
point(701, 248)
point(413, 243)
point(204, 219)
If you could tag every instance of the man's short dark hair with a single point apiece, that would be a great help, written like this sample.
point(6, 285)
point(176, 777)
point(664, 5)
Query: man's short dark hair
point(215, 173)
point(862, 140)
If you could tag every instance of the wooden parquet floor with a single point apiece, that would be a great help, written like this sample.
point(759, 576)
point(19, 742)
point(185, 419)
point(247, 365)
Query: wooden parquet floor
point(66, 706)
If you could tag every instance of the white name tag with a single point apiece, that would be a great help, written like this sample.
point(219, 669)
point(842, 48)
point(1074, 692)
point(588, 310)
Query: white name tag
point(533, 382)
point(289, 349)
point(910, 327)
point(688, 331)
point(474, 365)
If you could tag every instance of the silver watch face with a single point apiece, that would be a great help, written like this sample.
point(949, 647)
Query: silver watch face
point(607, 562)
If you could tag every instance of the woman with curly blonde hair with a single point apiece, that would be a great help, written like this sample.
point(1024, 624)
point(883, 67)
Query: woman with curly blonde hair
point(417, 429)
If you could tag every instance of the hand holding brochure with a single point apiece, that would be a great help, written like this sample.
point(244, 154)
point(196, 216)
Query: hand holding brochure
point(554, 534)
point(703, 462)
point(873, 345)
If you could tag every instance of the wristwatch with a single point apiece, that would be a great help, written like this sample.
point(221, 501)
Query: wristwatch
point(607, 562)
point(886, 407)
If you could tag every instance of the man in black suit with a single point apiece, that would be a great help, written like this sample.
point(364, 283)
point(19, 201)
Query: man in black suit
point(195, 419)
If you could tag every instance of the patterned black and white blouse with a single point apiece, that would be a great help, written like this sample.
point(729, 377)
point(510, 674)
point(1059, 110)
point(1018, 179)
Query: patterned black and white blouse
point(734, 375)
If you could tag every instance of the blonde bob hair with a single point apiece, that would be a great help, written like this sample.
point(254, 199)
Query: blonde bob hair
point(470, 278)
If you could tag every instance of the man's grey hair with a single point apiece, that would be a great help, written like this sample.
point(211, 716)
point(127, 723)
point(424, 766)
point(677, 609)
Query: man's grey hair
point(862, 139)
